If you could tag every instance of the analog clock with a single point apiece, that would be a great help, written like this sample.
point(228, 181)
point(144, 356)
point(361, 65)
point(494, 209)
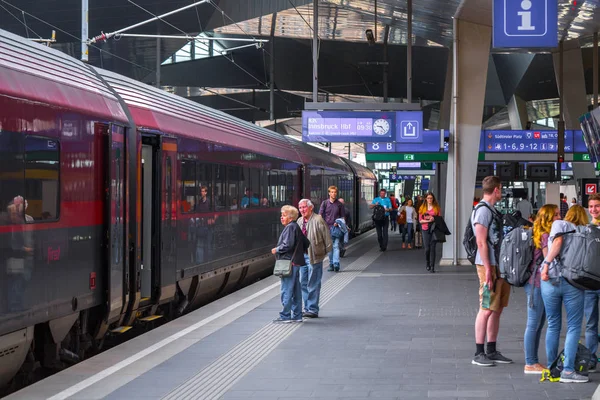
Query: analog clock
point(381, 127)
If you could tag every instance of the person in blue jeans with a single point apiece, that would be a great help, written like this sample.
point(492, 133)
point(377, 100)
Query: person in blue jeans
point(382, 226)
point(536, 313)
point(592, 296)
point(556, 291)
point(316, 230)
point(292, 245)
point(332, 209)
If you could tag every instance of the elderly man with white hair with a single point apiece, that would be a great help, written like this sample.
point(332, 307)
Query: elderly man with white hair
point(316, 230)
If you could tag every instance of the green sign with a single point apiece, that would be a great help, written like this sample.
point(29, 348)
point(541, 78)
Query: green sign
point(581, 157)
point(409, 157)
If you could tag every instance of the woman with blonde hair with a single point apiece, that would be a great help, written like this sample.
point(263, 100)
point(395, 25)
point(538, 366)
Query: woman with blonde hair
point(536, 314)
point(556, 291)
point(429, 209)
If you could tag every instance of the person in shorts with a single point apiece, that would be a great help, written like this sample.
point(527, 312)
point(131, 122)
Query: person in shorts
point(488, 232)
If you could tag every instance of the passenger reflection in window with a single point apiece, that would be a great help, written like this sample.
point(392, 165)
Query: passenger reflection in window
point(234, 204)
point(264, 202)
point(21, 205)
point(19, 258)
point(203, 202)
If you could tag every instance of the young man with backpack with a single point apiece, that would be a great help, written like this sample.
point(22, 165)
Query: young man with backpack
point(332, 209)
point(494, 292)
point(590, 307)
point(381, 216)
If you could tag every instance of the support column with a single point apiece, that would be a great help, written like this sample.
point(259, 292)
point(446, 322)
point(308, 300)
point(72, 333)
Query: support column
point(158, 61)
point(471, 55)
point(446, 104)
point(574, 96)
point(315, 51)
point(517, 113)
point(84, 31)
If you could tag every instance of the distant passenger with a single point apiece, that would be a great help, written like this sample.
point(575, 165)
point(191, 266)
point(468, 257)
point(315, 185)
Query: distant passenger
point(525, 207)
point(316, 230)
point(292, 245)
point(429, 209)
point(573, 202)
point(564, 207)
point(536, 313)
point(382, 225)
point(394, 213)
point(249, 200)
point(488, 231)
point(331, 209)
point(234, 204)
point(409, 226)
point(264, 202)
point(203, 203)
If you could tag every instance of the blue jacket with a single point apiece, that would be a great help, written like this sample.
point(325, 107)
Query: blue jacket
point(344, 228)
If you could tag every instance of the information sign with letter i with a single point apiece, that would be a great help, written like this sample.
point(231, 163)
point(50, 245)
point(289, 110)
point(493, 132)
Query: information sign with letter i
point(525, 23)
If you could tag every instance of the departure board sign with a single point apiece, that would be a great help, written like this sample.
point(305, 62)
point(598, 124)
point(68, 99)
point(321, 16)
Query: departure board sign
point(430, 144)
point(348, 126)
point(526, 141)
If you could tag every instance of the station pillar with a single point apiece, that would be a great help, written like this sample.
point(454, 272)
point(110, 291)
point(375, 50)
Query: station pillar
point(471, 55)
point(574, 96)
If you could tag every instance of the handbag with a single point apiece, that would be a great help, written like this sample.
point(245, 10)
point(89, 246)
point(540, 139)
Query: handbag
point(283, 268)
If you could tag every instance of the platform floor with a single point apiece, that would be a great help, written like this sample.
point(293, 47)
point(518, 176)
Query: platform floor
point(388, 329)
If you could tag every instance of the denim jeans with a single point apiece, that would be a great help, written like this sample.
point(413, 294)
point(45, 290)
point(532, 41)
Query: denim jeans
point(554, 295)
point(334, 254)
point(536, 316)
point(382, 232)
point(590, 310)
point(291, 295)
point(429, 244)
point(407, 231)
point(310, 280)
point(394, 220)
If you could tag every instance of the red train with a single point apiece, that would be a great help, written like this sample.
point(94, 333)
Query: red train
point(120, 202)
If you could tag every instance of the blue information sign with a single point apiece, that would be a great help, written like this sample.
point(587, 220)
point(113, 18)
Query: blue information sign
point(526, 141)
point(348, 126)
point(578, 142)
point(409, 127)
point(430, 144)
point(525, 23)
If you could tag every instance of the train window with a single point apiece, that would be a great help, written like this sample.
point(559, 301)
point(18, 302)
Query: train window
point(189, 182)
point(11, 173)
point(205, 188)
point(42, 188)
point(273, 188)
point(290, 188)
point(265, 198)
point(220, 194)
point(234, 179)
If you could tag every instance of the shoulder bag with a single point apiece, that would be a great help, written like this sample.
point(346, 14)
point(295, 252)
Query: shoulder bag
point(283, 268)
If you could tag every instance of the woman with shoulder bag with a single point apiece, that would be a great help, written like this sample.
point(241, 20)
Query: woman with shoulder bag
point(429, 209)
point(289, 253)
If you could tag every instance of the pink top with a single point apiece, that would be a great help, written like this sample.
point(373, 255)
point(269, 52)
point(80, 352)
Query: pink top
point(431, 212)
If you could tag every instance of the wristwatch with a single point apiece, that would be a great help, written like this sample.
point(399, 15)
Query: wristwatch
point(546, 262)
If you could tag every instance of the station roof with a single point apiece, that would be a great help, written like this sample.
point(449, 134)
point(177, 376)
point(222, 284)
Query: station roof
point(348, 66)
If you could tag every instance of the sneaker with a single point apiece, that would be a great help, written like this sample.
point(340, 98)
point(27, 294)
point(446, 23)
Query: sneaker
point(403, 245)
point(572, 377)
point(535, 369)
point(592, 367)
point(330, 269)
point(282, 321)
point(297, 320)
point(482, 360)
point(308, 314)
point(499, 358)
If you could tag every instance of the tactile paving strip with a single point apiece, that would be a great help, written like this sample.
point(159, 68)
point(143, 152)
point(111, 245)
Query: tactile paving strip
point(213, 381)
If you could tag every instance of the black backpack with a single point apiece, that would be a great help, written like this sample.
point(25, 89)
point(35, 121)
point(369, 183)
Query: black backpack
point(469, 239)
point(378, 213)
point(583, 360)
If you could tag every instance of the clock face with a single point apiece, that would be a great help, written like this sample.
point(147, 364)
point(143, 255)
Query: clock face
point(381, 126)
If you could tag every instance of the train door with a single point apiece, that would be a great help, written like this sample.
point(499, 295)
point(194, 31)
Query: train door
point(150, 224)
point(116, 273)
point(168, 267)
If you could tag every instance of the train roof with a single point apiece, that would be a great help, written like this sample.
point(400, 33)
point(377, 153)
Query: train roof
point(35, 72)
point(314, 156)
point(361, 171)
point(156, 109)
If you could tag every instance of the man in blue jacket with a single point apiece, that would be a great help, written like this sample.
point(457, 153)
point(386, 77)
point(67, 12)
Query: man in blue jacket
point(381, 225)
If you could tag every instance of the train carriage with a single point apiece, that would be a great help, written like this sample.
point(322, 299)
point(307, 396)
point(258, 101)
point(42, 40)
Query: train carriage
point(120, 202)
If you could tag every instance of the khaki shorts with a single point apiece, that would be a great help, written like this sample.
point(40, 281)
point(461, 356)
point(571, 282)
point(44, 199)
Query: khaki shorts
point(499, 297)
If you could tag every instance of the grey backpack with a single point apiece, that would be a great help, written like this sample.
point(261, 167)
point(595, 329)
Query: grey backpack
point(579, 261)
point(516, 254)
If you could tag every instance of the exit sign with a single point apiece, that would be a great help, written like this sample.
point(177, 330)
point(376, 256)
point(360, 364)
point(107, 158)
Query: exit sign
point(586, 157)
point(409, 157)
